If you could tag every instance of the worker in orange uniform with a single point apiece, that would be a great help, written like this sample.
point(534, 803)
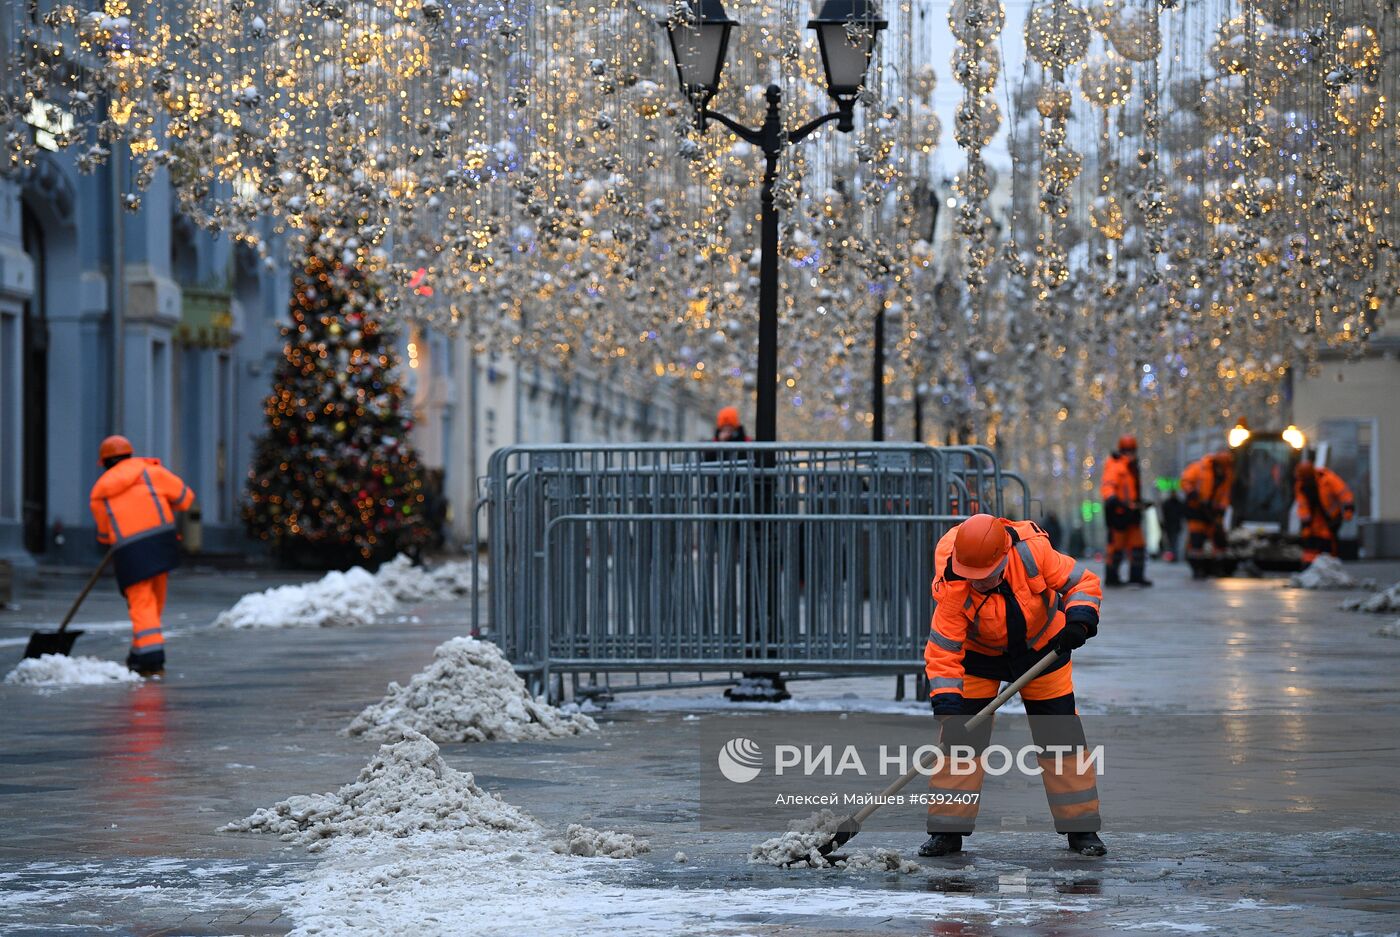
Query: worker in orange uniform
point(134, 505)
point(1122, 508)
point(1324, 502)
point(728, 428)
point(1005, 598)
point(1206, 485)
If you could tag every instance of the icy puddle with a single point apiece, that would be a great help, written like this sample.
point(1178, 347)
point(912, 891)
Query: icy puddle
point(87, 896)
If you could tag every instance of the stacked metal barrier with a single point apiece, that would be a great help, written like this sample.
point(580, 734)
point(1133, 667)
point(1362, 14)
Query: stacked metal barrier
point(712, 557)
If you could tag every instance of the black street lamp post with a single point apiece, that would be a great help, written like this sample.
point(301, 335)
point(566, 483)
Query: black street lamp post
point(846, 31)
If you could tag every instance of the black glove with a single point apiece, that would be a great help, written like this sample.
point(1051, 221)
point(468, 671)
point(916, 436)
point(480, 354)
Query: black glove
point(1115, 514)
point(1071, 636)
point(952, 732)
point(1081, 624)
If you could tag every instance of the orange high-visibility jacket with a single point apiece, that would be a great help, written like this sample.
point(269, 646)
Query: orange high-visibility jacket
point(134, 505)
point(1119, 480)
point(1044, 582)
point(1204, 494)
point(1336, 497)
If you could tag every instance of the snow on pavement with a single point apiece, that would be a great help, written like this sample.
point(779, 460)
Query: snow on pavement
point(499, 884)
point(1387, 600)
point(349, 599)
point(1327, 572)
point(582, 840)
point(405, 788)
point(801, 843)
point(57, 670)
point(469, 693)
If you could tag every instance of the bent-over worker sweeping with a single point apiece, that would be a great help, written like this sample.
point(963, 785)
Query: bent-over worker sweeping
point(134, 504)
point(1324, 503)
point(1004, 597)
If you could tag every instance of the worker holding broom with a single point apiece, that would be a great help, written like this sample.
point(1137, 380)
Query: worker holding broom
point(134, 505)
point(1005, 599)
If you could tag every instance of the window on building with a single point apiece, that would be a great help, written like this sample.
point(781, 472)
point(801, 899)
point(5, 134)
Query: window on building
point(1350, 444)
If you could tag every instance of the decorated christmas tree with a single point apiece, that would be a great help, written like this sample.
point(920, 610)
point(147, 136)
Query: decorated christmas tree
point(334, 480)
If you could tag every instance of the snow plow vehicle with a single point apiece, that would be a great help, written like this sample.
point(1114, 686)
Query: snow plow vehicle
point(1261, 505)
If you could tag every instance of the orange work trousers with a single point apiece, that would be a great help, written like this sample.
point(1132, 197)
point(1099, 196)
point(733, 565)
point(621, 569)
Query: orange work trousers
point(1071, 782)
point(145, 601)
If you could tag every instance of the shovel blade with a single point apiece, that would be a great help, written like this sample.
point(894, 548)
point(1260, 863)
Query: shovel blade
point(51, 642)
point(844, 834)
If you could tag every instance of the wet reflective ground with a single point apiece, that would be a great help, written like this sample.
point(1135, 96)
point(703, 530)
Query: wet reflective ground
point(109, 796)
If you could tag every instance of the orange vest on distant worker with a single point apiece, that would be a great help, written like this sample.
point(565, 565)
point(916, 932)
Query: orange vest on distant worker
point(1336, 500)
point(1205, 494)
point(134, 505)
point(1119, 480)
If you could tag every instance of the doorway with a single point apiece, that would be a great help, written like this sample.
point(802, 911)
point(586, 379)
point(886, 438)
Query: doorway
point(34, 362)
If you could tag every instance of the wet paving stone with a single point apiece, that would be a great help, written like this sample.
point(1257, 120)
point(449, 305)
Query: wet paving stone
point(110, 796)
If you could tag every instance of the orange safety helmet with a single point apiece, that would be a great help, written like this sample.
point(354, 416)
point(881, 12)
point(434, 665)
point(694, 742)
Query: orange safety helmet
point(980, 546)
point(727, 418)
point(1306, 471)
point(112, 447)
point(1127, 444)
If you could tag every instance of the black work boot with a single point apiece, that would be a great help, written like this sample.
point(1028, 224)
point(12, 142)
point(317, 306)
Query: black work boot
point(941, 844)
point(147, 664)
point(1137, 570)
point(1087, 844)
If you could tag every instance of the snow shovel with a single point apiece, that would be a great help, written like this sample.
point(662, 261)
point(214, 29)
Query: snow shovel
point(851, 825)
point(61, 641)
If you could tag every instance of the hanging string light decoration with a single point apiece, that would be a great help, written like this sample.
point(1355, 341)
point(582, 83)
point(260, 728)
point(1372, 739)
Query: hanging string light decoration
point(976, 24)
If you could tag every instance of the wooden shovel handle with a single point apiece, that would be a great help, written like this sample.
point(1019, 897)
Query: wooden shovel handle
point(926, 761)
point(92, 581)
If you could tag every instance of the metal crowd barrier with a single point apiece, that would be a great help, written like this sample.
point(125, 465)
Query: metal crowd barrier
point(709, 557)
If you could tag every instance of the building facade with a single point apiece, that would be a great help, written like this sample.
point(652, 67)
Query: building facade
point(1347, 410)
point(174, 352)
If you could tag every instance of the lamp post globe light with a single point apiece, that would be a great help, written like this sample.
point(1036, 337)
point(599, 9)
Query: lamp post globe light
point(847, 31)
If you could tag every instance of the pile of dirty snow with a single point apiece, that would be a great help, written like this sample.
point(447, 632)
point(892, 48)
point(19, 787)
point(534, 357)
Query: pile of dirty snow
point(60, 670)
point(801, 844)
point(756, 689)
point(405, 789)
point(879, 860)
point(586, 841)
point(349, 599)
point(469, 693)
point(1387, 600)
point(1326, 572)
point(409, 583)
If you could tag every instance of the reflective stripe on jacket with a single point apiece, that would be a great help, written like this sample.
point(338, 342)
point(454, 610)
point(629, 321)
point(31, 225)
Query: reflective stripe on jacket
point(137, 498)
point(134, 505)
point(1044, 584)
